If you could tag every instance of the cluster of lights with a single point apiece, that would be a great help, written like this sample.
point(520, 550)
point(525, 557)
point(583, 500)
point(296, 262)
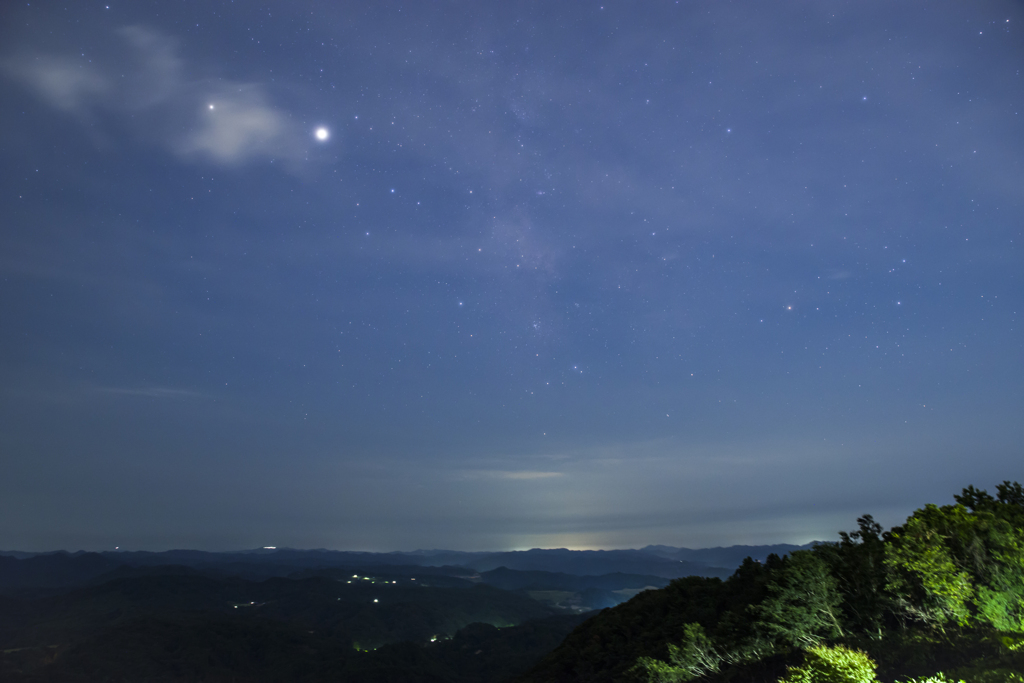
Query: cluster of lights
point(367, 578)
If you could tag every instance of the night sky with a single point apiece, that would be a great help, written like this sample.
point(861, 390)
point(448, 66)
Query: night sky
point(501, 275)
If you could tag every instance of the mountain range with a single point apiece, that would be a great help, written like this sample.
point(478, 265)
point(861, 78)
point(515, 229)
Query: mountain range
point(22, 570)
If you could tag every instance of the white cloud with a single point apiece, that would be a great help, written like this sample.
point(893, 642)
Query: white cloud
point(145, 77)
point(158, 77)
point(238, 123)
point(64, 82)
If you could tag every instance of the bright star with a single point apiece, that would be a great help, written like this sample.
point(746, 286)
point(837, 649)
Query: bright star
point(322, 134)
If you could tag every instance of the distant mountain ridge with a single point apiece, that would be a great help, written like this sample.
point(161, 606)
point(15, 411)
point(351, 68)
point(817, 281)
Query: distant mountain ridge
point(731, 556)
point(20, 570)
point(597, 562)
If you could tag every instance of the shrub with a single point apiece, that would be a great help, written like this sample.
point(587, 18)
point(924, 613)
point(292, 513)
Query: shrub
point(823, 664)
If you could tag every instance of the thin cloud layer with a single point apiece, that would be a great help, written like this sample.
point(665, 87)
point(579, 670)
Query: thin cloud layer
point(512, 475)
point(61, 81)
point(238, 124)
point(226, 122)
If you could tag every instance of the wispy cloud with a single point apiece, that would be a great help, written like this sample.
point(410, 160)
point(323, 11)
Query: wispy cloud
point(227, 122)
point(238, 123)
point(150, 392)
point(157, 79)
point(64, 82)
point(511, 474)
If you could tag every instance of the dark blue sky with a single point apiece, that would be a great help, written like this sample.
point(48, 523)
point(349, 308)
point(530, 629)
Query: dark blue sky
point(561, 273)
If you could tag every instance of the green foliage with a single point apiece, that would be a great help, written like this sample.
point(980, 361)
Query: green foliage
point(858, 564)
point(656, 671)
point(1012, 643)
point(1007, 505)
point(696, 656)
point(836, 664)
point(951, 565)
point(993, 676)
point(943, 592)
point(608, 647)
point(802, 607)
point(928, 582)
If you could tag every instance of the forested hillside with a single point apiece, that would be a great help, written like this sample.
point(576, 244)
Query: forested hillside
point(941, 595)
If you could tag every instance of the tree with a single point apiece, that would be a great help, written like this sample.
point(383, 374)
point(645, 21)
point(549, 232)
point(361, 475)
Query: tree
point(696, 656)
point(962, 563)
point(928, 583)
point(858, 563)
point(802, 607)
